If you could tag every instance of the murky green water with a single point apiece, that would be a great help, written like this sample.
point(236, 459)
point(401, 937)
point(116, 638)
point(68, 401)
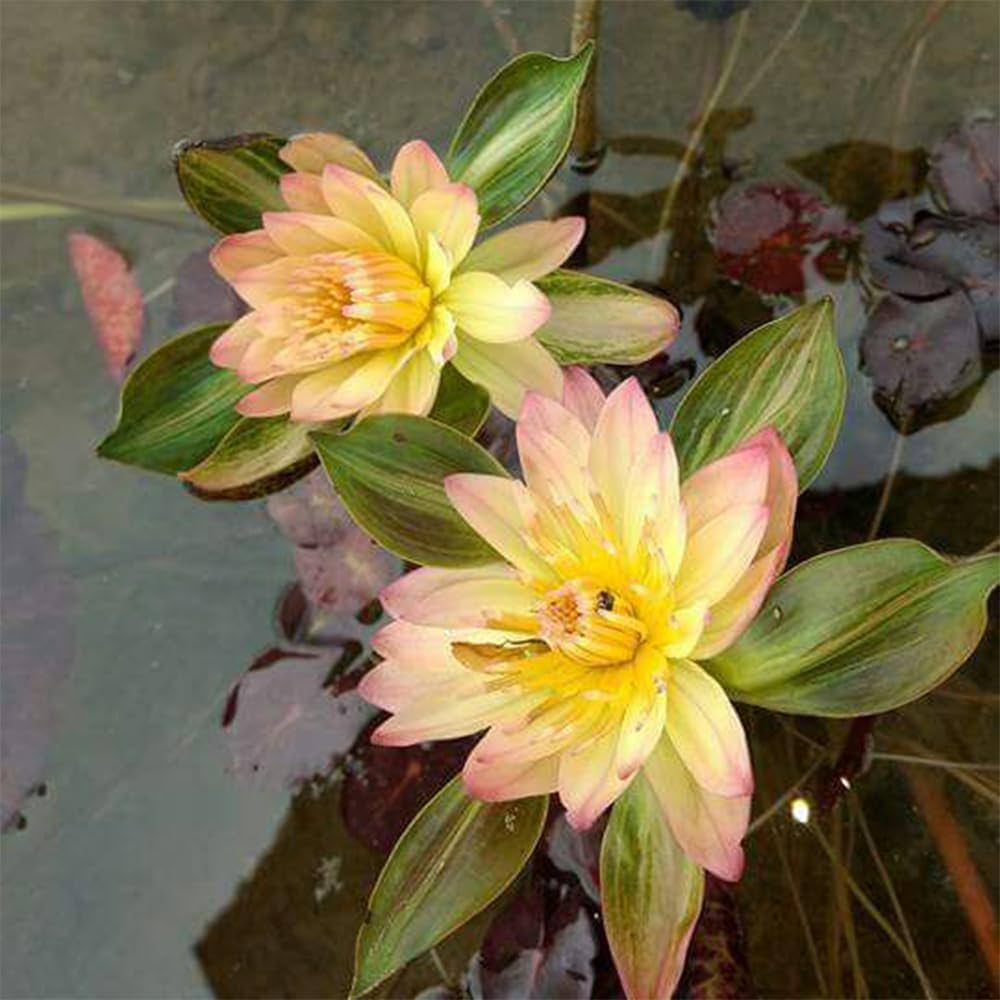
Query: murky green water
point(148, 867)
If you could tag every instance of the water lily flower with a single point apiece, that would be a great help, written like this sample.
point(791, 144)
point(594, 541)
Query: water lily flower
point(361, 291)
point(579, 652)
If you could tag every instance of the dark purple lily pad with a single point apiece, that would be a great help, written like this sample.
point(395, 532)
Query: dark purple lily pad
point(385, 787)
point(763, 234)
point(922, 358)
point(717, 960)
point(542, 945)
point(577, 853)
point(964, 169)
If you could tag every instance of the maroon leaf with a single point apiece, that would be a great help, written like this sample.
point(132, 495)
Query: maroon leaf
point(717, 963)
point(921, 357)
point(763, 233)
point(542, 945)
point(964, 169)
point(112, 298)
point(385, 787)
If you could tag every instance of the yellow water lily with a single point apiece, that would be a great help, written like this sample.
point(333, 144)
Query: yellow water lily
point(362, 290)
point(579, 652)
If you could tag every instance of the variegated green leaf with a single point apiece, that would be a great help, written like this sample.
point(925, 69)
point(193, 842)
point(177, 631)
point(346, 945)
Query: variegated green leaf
point(651, 895)
point(389, 471)
point(229, 182)
point(518, 130)
point(597, 321)
point(460, 403)
point(260, 455)
point(787, 374)
point(455, 858)
point(860, 630)
point(176, 406)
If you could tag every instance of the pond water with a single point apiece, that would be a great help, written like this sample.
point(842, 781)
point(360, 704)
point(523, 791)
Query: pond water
point(163, 836)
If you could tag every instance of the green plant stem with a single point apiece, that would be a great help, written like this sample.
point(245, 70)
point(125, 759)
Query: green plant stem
point(695, 141)
point(766, 65)
point(121, 209)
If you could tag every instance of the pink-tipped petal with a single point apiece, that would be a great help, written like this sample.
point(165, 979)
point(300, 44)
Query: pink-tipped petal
point(706, 731)
point(708, 827)
point(303, 193)
point(738, 478)
point(348, 386)
point(458, 598)
point(641, 730)
point(257, 363)
point(312, 151)
point(730, 617)
point(588, 780)
point(347, 197)
point(529, 251)
point(508, 371)
point(412, 390)
point(500, 782)
point(270, 400)
point(542, 413)
point(782, 492)
point(582, 396)
point(228, 349)
point(719, 553)
point(415, 170)
point(303, 233)
point(451, 214)
point(488, 309)
point(652, 497)
point(622, 436)
point(552, 468)
point(239, 251)
point(467, 708)
point(498, 509)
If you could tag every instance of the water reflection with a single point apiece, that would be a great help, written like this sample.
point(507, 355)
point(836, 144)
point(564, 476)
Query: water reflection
point(131, 612)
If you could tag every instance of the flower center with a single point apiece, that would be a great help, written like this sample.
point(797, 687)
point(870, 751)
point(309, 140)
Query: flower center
point(346, 302)
point(591, 624)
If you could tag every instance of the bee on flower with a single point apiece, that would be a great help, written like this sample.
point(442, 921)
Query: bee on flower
point(580, 650)
point(361, 291)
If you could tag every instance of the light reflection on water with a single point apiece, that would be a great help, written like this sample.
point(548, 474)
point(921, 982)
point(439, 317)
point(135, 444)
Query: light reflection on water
point(147, 868)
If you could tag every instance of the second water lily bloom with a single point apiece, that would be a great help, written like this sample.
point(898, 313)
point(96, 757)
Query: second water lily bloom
point(363, 290)
point(579, 650)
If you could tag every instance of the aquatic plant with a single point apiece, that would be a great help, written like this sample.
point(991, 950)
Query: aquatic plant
point(599, 620)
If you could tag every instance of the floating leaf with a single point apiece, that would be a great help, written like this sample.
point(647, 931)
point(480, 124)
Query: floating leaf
point(389, 471)
point(787, 374)
point(175, 407)
point(650, 895)
point(455, 858)
point(345, 576)
point(763, 233)
point(860, 630)
point(964, 169)
point(518, 130)
point(922, 358)
point(595, 320)
point(385, 787)
point(460, 403)
point(112, 298)
point(717, 960)
point(259, 455)
point(229, 182)
point(542, 945)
